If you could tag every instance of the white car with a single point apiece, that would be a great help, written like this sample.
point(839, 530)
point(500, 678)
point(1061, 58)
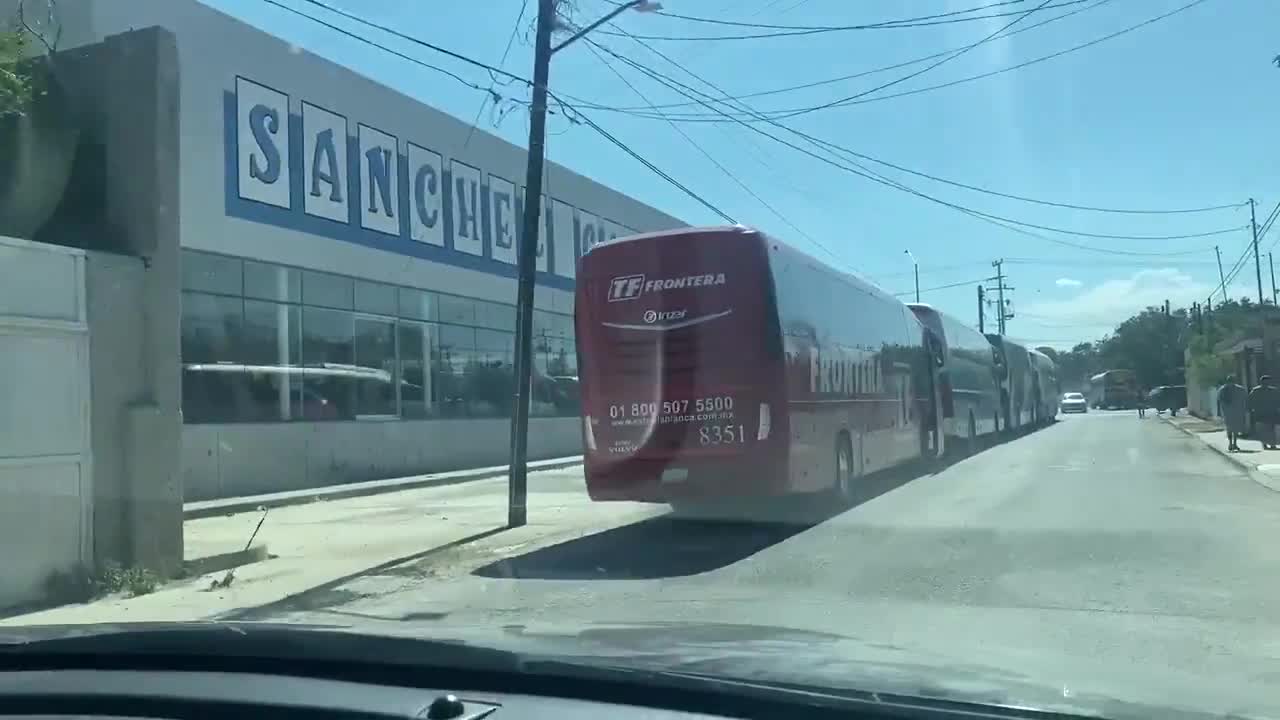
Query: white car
point(1073, 402)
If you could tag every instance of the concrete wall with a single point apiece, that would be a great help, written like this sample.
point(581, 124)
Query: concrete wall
point(231, 460)
point(46, 466)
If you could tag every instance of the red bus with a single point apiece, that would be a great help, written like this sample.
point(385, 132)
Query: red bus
point(719, 363)
point(968, 380)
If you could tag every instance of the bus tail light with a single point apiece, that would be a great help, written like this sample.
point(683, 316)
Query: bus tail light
point(766, 423)
point(587, 433)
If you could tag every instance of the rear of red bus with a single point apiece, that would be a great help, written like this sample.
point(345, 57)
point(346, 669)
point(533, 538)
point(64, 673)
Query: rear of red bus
point(681, 368)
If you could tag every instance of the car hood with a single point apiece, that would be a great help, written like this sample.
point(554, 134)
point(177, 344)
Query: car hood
point(751, 655)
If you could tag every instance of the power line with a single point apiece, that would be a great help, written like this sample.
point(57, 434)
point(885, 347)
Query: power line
point(498, 70)
point(888, 25)
point(942, 287)
point(392, 31)
point(868, 174)
point(660, 173)
point(854, 100)
point(841, 78)
point(767, 26)
point(1079, 262)
point(1022, 198)
point(708, 155)
point(953, 56)
point(397, 53)
point(580, 117)
point(928, 270)
point(1266, 225)
point(515, 29)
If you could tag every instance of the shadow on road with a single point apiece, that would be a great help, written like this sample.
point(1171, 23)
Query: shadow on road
point(675, 546)
point(659, 547)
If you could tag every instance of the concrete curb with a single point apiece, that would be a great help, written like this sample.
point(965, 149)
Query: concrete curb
point(225, 561)
point(1252, 471)
point(231, 506)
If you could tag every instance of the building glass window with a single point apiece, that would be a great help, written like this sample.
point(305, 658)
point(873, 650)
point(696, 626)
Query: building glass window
point(492, 377)
point(457, 354)
point(496, 316)
point(375, 361)
point(456, 310)
point(372, 297)
point(268, 343)
point(212, 273)
point(213, 385)
point(417, 381)
point(418, 304)
point(328, 358)
point(327, 290)
point(272, 355)
point(272, 282)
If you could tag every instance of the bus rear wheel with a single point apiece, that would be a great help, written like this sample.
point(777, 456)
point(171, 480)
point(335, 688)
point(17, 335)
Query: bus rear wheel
point(844, 467)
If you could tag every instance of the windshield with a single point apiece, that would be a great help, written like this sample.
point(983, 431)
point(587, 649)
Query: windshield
point(933, 341)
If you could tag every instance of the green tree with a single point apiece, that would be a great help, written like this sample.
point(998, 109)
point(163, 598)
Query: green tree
point(1077, 365)
point(1152, 344)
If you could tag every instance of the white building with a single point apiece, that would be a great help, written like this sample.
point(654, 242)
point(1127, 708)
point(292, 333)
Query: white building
point(348, 267)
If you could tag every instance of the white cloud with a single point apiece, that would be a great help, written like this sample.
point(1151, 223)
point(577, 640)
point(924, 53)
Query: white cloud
point(1067, 283)
point(1096, 310)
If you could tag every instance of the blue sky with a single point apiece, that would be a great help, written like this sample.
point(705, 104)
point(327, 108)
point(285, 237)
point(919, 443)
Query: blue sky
point(1180, 113)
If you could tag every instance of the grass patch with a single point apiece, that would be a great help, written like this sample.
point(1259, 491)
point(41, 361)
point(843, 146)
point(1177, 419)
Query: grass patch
point(132, 582)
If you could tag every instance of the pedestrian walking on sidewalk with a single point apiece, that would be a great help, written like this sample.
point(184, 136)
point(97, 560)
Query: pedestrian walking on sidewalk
point(1233, 408)
point(1142, 403)
point(1264, 405)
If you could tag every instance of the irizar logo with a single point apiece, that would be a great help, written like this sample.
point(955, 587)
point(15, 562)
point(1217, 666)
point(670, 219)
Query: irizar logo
point(630, 287)
point(653, 316)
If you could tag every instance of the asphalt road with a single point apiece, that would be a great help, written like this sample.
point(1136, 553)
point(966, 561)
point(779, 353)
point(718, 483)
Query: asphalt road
point(1102, 557)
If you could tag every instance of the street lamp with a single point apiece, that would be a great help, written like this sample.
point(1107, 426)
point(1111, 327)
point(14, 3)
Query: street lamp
point(916, 266)
point(517, 487)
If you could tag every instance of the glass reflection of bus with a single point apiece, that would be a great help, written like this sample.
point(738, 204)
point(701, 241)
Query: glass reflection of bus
point(226, 392)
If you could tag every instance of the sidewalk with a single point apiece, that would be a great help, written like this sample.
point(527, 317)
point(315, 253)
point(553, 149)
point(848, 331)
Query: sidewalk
point(320, 543)
point(206, 551)
point(1261, 465)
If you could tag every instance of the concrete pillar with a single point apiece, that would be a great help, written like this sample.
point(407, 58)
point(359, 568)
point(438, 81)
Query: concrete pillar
point(124, 200)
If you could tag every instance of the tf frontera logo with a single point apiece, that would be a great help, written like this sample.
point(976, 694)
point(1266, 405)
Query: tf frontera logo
point(630, 287)
point(627, 287)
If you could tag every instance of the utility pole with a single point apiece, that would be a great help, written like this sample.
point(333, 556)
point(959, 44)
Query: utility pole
point(517, 486)
point(1257, 263)
point(981, 320)
point(1001, 315)
point(1271, 262)
point(1221, 277)
point(517, 471)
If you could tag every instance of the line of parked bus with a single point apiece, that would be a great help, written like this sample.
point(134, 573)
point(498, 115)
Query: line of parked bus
point(719, 364)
